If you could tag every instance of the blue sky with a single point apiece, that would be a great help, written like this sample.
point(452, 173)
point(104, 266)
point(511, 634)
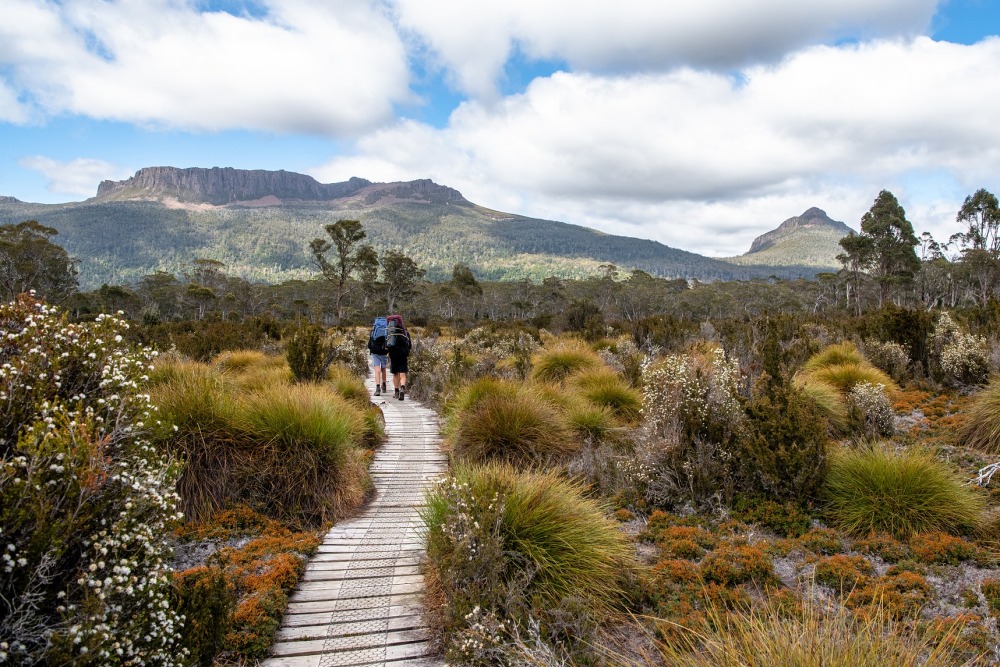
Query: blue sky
point(700, 124)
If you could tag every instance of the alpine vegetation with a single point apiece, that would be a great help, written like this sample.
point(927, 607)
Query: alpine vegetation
point(85, 500)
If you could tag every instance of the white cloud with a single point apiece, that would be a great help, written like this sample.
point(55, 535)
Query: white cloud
point(474, 39)
point(11, 109)
point(659, 155)
point(334, 67)
point(76, 177)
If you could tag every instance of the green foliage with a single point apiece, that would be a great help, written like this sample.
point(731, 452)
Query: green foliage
point(608, 390)
point(204, 339)
point(786, 519)
point(29, 261)
point(909, 327)
point(289, 451)
point(206, 599)
point(829, 401)
point(309, 353)
point(560, 362)
point(782, 451)
point(85, 502)
point(876, 489)
point(505, 547)
point(512, 425)
point(839, 354)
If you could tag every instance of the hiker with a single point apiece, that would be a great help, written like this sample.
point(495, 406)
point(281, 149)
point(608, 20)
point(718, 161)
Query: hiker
point(398, 344)
point(377, 348)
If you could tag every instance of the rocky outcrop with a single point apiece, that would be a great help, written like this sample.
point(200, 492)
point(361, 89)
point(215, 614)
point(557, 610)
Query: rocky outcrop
point(813, 218)
point(225, 185)
point(9, 200)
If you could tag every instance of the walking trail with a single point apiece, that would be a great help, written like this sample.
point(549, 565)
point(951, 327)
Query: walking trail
point(359, 600)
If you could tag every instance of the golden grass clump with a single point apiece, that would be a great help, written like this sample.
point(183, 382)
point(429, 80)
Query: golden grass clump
point(876, 489)
point(981, 428)
point(238, 361)
point(607, 389)
point(837, 354)
point(543, 526)
point(567, 358)
point(290, 452)
point(348, 385)
point(515, 426)
point(811, 637)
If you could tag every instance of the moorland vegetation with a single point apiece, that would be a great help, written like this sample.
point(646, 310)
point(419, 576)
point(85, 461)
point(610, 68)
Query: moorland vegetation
point(645, 472)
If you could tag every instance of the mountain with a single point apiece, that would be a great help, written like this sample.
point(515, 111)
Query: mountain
point(811, 239)
point(259, 224)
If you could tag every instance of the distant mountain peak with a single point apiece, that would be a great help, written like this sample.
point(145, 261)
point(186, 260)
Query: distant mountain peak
point(812, 218)
point(222, 186)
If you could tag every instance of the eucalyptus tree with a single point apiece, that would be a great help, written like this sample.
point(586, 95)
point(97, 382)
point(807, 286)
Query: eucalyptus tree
point(30, 261)
point(350, 258)
point(400, 276)
point(980, 242)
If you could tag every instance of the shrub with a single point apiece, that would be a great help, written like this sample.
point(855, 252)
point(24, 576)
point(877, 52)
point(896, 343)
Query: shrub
point(786, 519)
point(514, 426)
point(510, 546)
point(981, 427)
point(309, 353)
point(870, 411)
point(206, 599)
point(85, 503)
point(782, 451)
point(731, 564)
point(883, 545)
point(991, 591)
point(888, 356)
point(965, 360)
point(842, 572)
point(558, 363)
point(898, 593)
point(876, 489)
point(822, 541)
point(936, 548)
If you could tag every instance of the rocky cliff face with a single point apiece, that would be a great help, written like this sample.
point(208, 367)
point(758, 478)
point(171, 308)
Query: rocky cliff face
point(814, 218)
point(225, 185)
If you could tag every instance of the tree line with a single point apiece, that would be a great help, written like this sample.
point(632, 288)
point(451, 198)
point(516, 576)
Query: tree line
point(885, 264)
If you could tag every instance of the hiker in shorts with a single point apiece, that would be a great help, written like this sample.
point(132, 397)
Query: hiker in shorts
point(377, 348)
point(398, 344)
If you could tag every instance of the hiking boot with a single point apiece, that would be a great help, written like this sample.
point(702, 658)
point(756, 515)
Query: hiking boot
point(395, 392)
point(378, 390)
point(402, 393)
point(383, 389)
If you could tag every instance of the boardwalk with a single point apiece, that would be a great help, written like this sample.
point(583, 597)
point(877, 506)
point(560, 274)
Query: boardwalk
point(359, 601)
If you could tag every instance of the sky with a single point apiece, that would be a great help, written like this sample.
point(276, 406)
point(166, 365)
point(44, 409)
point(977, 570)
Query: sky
point(697, 123)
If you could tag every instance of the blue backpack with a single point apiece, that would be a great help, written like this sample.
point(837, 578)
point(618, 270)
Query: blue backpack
point(377, 339)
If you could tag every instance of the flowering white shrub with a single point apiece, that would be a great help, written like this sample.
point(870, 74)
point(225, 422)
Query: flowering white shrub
point(686, 396)
point(85, 500)
point(888, 356)
point(870, 410)
point(966, 359)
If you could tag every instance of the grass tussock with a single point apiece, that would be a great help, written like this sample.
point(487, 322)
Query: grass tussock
point(875, 489)
point(607, 389)
point(830, 402)
point(290, 452)
point(562, 361)
point(981, 428)
point(513, 425)
point(239, 361)
point(536, 537)
point(812, 637)
point(844, 376)
point(837, 354)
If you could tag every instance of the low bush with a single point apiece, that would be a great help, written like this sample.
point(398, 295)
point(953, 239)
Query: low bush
point(786, 519)
point(505, 547)
point(86, 504)
point(888, 356)
point(936, 548)
point(206, 599)
point(842, 572)
point(309, 353)
point(877, 489)
point(870, 411)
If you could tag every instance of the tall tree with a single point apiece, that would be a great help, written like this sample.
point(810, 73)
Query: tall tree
point(400, 275)
point(893, 260)
point(351, 257)
point(30, 261)
point(856, 258)
point(980, 242)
